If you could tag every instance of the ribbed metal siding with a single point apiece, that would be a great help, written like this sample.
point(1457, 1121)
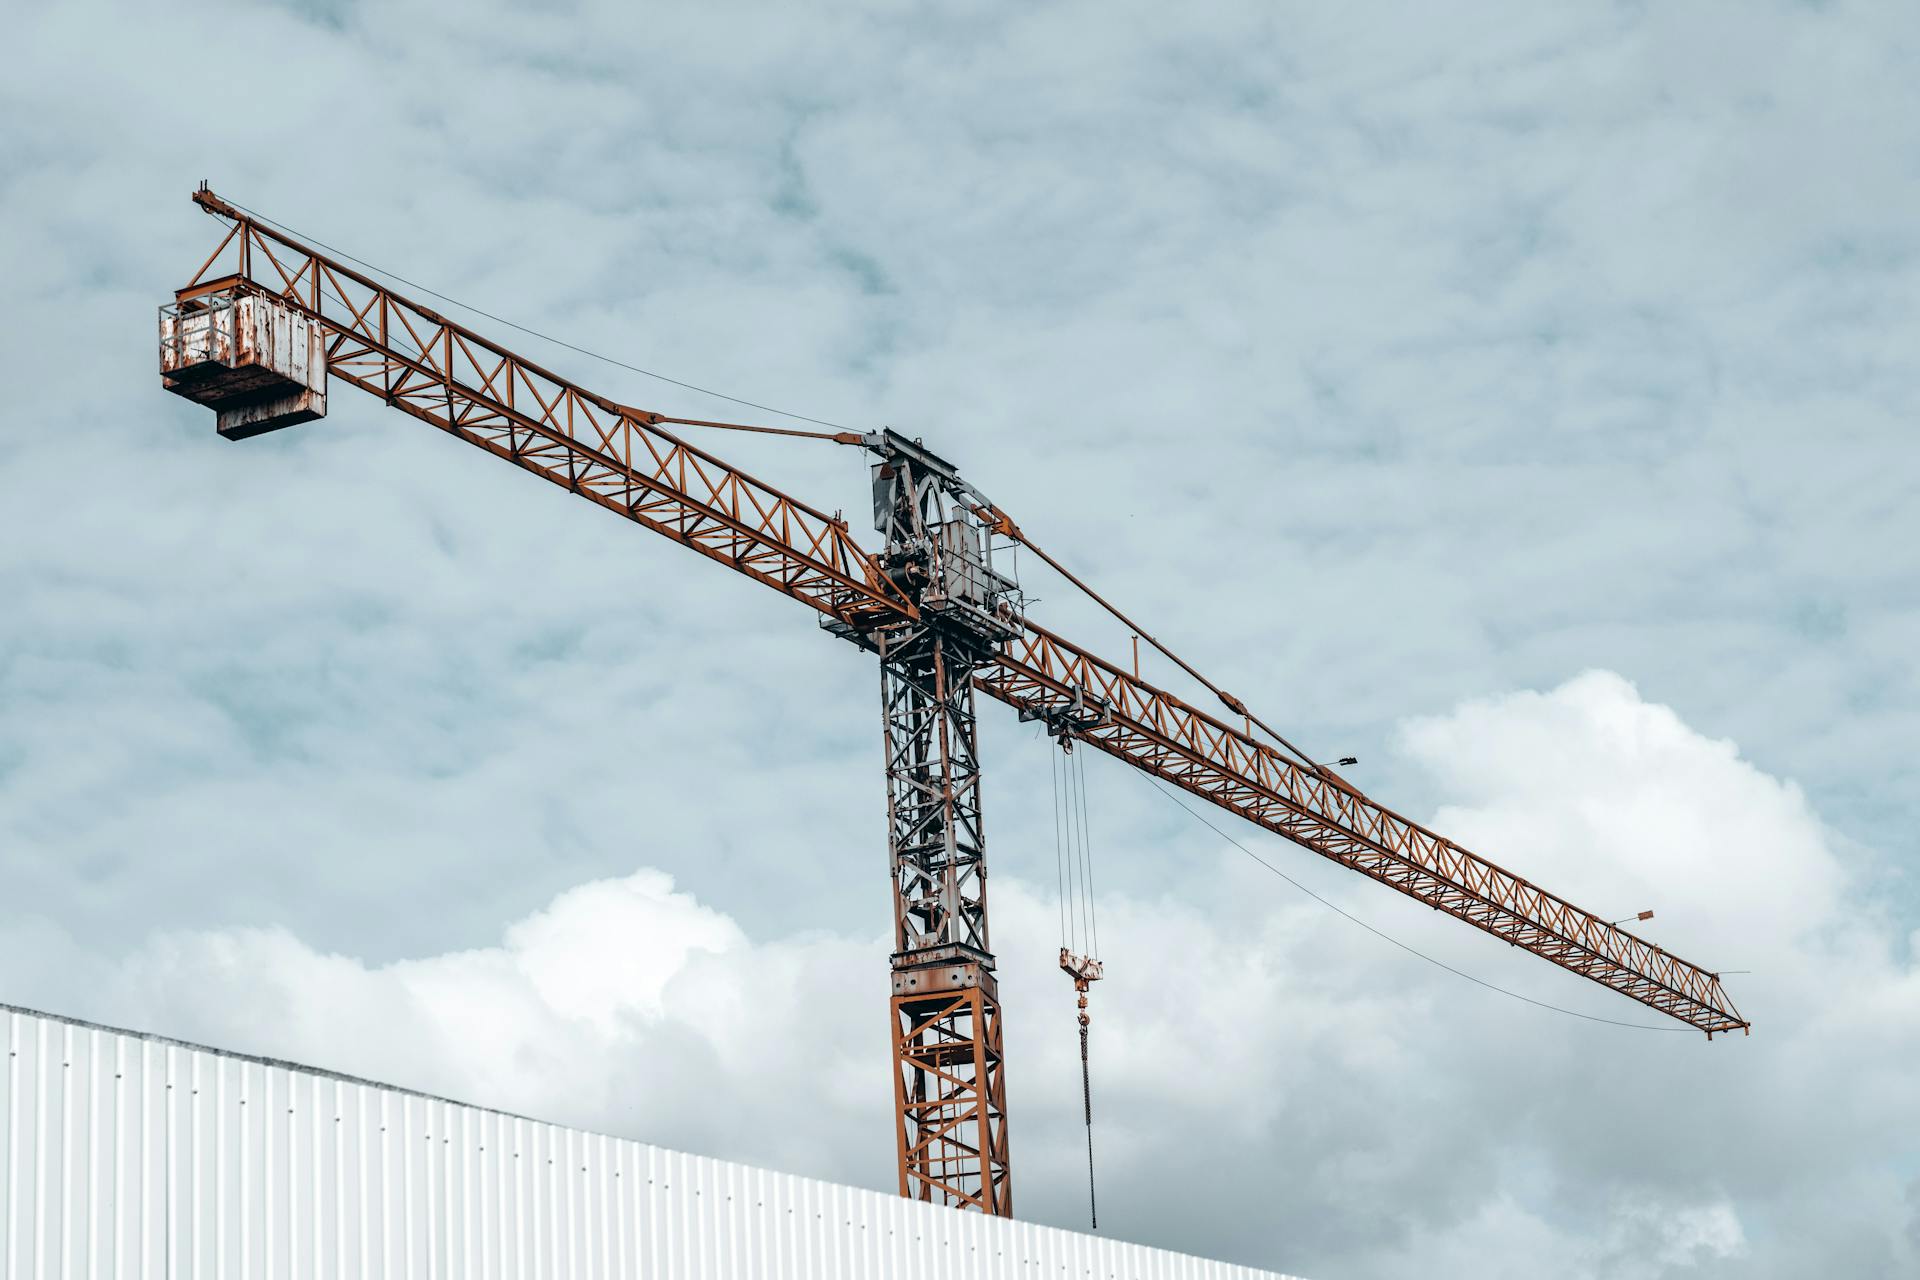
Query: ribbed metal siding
point(128, 1155)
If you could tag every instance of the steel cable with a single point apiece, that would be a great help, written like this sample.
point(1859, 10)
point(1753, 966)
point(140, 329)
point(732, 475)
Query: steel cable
point(1201, 818)
point(1060, 860)
point(1086, 862)
point(547, 337)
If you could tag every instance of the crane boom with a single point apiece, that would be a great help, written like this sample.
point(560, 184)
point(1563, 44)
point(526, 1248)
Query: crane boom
point(929, 604)
point(1045, 676)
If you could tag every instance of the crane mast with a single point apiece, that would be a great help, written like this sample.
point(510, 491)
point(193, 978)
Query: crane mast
point(258, 342)
point(950, 1096)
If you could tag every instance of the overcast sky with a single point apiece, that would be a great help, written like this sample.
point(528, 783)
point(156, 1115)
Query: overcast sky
point(1518, 397)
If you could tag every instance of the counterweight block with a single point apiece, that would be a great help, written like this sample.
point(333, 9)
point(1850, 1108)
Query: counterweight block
point(258, 363)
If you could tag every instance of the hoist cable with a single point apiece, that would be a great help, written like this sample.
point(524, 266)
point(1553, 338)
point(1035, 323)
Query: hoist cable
point(1086, 860)
point(1070, 785)
point(1059, 855)
point(1080, 837)
point(1073, 861)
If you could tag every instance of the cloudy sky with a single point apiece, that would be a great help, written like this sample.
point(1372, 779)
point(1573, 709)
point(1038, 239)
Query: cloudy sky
point(1519, 399)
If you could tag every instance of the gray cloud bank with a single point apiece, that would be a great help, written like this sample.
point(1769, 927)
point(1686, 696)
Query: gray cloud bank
point(1385, 364)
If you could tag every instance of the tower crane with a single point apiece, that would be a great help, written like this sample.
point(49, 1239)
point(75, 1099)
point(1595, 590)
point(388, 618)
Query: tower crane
point(267, 323)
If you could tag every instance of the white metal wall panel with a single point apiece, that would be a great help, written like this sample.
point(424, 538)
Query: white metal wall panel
point(134, 1156)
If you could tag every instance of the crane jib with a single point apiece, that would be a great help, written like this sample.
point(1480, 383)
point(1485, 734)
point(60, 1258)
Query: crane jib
point(1043, 675)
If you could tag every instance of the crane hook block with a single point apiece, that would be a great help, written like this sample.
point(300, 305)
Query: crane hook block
point(259, 364)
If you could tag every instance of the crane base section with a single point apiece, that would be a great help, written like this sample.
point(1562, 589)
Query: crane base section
point(950, 1095)
point(258, 363)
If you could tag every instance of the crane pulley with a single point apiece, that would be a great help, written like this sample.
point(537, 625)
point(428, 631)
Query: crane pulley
point(267, 320)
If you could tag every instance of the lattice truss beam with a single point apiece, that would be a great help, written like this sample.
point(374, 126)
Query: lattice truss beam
point(933, 794)
point(1155, 731)
point(621, 458)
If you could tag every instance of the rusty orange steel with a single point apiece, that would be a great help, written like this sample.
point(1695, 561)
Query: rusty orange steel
point(1157, 732)
point(935, 651)
point(444, 373)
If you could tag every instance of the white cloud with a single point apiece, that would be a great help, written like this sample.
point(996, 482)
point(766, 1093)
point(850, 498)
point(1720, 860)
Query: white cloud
point(1378, 361)
point(1270, 1081)
point(1604, 792)
point(1639, 1237)
point(622, 1005)
point(607, 951)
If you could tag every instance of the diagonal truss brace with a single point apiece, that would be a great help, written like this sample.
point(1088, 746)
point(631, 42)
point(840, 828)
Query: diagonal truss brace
point(621, 458)
point(1045, 676)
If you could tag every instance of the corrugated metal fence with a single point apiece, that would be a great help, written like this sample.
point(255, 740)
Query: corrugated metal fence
point(130, 1155)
